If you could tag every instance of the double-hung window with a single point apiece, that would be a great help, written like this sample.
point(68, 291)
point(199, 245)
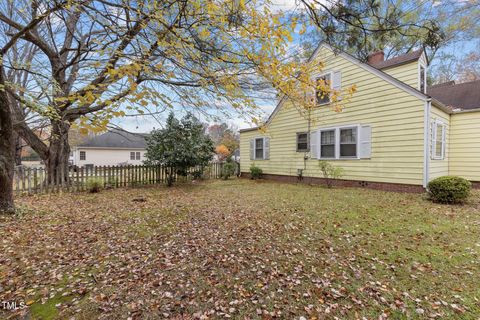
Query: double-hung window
point(343, 142)
point(132, 155)
point(348, 142)
point(322, 91)
point(259, 148)
point(83, 155)
point(302, 142)
point(327, 144)
point(438, 140)
point(137, 155)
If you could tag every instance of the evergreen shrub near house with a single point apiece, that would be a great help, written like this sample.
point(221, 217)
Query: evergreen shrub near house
point(449, 189)
point(255, 172)
point(94, 185)
point(181, 145)
point(228, 170)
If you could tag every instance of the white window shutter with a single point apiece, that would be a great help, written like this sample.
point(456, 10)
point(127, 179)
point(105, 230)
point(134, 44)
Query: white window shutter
point(434, 139)
point(314, 142)
point(444, 142)
point(252, 149)
point(365, 144)
point(266, 148)
point(337, 82)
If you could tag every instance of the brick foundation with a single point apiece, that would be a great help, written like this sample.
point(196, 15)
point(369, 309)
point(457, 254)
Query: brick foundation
point(385, 186)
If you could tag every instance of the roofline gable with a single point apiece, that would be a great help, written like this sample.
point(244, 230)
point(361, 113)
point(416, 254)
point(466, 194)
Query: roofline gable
point(397, 83)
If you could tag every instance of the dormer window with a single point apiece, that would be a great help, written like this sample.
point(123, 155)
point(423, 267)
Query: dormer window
point(422, 79)
point(322, 91)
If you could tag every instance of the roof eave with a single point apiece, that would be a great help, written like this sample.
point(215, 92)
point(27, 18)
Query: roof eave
point(248, 129)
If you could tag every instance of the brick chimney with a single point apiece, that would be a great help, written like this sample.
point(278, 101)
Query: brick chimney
point(376, 57)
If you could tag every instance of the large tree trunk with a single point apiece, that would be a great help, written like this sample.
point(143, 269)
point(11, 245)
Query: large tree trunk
point(18, 149)
point(56, 163)
point(7, 155)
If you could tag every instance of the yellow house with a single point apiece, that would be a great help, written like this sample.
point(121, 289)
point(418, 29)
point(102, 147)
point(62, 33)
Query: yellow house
point(394, 133)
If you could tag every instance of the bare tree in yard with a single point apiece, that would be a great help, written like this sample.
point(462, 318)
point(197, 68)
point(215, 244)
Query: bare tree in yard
point(7, 135)
point(95, 60)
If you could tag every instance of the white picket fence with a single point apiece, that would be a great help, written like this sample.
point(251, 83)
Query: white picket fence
point(33, 180)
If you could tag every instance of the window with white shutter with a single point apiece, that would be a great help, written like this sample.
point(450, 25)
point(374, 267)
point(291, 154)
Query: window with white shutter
point(252, 149)
point(343, 142)
point(322, 90)
point(260, 148)
point(348, 142)
point(327, 144)
point(438, 140)
point(266, 148)
point(337, 83)
point(314, 144)
point(365, 145)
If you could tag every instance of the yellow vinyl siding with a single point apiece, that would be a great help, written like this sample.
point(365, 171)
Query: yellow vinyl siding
point(395, 116)
point(465, 145)
point(438, 167)
point(407, 73)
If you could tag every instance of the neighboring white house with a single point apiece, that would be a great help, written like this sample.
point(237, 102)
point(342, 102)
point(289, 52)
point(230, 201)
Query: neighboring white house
point(113, 148)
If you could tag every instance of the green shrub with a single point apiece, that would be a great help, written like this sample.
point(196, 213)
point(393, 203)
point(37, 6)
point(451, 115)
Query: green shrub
point(449, 189)
point(94, 185)
point(228, 170)
point(255, 172)
point(197, 174)
point(330, 172)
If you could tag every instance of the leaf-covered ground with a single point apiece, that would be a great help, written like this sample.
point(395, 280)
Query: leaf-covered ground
point(241, 249)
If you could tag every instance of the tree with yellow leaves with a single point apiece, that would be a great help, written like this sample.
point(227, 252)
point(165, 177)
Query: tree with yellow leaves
point(95, 60)
point(222, 152)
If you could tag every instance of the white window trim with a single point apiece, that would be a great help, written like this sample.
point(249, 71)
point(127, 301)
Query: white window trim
point(319, 75)
point(320, 143)
point(436, 123)
point(255, 148)
point(337, 142)
point(420, 65)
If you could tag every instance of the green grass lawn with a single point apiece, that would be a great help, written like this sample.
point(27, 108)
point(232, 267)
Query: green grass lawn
point(242, 249)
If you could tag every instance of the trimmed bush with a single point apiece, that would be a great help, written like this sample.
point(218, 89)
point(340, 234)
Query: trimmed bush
point(94, 185)
point(228, 170)
point(449, 189)
point(255, 172)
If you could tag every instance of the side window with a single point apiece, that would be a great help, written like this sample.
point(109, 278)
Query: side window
point(438, 141)
point(302, 142)
point(83, 155)
point(322, 91)
point(327, 144)
point(132, 155)
point(137, 156)
point(348, 142)
point(422, 79)
point(259, 148)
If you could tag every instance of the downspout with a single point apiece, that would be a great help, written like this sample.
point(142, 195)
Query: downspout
point(426, 141)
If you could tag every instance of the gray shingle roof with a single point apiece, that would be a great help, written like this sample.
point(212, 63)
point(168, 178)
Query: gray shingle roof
point(116, 139)
point(463, 95)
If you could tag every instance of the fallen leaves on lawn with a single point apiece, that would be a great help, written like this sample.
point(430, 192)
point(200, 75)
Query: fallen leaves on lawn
point(214, 250)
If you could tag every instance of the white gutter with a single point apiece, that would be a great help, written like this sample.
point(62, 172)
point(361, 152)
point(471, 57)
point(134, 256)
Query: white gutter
point(426, 142)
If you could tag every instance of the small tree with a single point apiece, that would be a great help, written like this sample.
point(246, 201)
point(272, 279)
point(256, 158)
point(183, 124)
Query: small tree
point(330, 172)
point(182, 144)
